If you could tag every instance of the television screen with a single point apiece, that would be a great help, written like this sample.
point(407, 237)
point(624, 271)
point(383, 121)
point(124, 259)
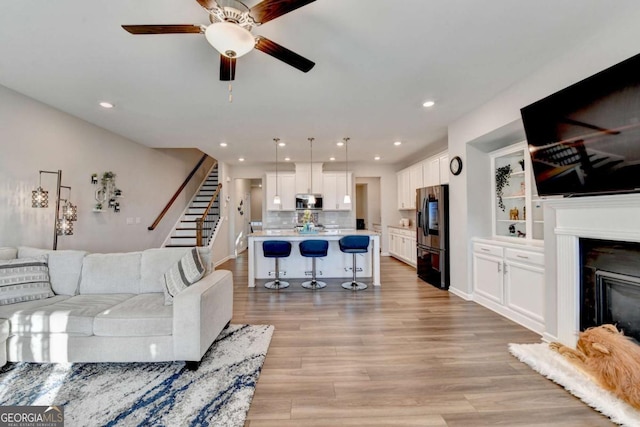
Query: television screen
point(585, 139)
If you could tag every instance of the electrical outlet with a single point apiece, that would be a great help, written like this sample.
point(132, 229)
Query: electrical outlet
point(138, 220)
point(129, 221)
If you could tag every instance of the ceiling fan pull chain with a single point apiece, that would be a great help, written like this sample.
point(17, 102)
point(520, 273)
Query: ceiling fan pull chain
point(230, 93)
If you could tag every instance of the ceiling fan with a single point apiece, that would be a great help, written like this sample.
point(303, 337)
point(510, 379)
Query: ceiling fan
point(230, 31)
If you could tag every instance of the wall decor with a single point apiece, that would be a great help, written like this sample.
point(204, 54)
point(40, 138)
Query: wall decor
point(107, 192)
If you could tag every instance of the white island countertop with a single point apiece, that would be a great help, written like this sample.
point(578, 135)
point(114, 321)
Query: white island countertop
point(336, 265)
point(323, 233)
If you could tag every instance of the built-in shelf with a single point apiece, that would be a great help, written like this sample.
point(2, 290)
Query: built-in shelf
point(513, 197)
point(99, 210)
point(512, 221)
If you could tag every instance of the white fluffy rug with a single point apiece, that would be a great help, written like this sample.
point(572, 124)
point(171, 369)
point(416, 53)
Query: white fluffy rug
point(160, 394)
point(553, 366)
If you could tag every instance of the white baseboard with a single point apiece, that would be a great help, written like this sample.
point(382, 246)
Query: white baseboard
point(547, 337)
point(385, 254)
point(465, 296)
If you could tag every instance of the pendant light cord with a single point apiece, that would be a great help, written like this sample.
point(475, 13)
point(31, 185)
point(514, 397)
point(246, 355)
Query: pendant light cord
point(311, 164)
point(276, 141)
point(346, 171)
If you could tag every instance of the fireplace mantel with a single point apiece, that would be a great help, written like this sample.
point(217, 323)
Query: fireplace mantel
point(615, 217)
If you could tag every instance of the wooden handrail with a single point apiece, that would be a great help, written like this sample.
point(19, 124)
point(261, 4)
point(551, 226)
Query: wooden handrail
point(200, 221)
point(177, 193)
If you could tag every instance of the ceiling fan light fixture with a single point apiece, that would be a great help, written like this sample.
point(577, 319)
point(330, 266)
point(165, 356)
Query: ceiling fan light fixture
point(231, 40)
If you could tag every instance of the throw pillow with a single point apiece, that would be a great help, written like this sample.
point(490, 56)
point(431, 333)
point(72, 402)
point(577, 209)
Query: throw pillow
point(182, 274)
point(24, 279)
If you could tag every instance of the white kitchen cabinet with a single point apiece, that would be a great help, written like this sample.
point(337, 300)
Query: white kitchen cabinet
point(335, 186)
point(408, 180)
point(444, 168)
point(304, 174)
point(402, 245)
point(286, 187)
point(509, 279)
point(432, 172)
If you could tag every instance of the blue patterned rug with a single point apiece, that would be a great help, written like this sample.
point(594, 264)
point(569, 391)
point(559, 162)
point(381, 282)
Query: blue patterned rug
point(140, 394)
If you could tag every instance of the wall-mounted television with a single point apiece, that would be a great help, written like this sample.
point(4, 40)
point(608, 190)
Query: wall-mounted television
point(585, 139)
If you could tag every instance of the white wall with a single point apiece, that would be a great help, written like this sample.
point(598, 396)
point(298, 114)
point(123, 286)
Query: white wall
point(256, 204)
point(34, 136)
point(610, 44)
point(241, 200)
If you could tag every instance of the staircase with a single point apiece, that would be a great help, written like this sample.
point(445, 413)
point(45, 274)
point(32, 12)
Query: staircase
point(185, 231)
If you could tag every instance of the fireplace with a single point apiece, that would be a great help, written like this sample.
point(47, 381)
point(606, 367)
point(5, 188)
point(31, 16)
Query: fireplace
point(610, 285)
point(568, 223)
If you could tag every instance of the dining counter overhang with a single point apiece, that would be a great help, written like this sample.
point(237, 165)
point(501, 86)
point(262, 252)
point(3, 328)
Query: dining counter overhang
point(298, 268)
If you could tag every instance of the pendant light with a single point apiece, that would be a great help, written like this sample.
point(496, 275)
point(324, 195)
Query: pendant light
point(312, 198)
point(347, 197)
point(276, 198)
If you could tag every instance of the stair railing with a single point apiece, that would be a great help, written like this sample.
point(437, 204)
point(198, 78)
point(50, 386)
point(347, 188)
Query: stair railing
point(206, 223)
point(177, 193)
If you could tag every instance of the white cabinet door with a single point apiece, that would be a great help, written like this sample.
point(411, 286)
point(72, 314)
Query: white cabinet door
point(444, 169)
point(286, 190)
point(410, 251)
point(404, 183)
point(524, 285)
point(304, 182)
point(488, 277)
point(415, 182)
point(335, 187)
point(433, 170)
point(329, 197)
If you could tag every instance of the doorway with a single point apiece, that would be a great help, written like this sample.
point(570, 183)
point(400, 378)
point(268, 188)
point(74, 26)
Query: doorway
point(368, 203)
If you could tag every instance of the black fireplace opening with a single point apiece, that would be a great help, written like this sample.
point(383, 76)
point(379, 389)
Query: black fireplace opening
point(610, 285)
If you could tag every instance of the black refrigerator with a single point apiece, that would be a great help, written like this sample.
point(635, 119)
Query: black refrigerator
point(432, 226)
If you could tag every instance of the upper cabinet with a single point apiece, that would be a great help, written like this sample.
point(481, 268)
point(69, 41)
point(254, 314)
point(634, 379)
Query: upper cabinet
point(335, 186)
point(304, 182)
point(432, 171)
point(517, 211)
point(286, 188)
point(409, 180)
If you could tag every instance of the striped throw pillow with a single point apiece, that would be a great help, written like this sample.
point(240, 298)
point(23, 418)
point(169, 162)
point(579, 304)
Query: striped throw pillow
point(184, 273)
point(24, 279)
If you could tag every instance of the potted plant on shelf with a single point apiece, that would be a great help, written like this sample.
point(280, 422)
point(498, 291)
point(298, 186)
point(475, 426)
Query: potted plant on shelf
point(502, 180)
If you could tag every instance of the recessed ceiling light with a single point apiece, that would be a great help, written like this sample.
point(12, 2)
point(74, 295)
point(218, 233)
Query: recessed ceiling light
point(333, 159)
point(340, 143)
point(397, 143)
point(376, 158)
point(223, 144)
point(286, 159)
point(429, 104)
point(105, 104)
point(281, 144)
point(241, 159)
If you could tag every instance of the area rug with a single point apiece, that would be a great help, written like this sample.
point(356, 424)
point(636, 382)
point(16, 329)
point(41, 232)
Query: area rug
point(555, 367)
point(160, 394)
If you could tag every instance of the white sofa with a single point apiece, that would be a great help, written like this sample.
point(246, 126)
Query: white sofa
point(110, 308)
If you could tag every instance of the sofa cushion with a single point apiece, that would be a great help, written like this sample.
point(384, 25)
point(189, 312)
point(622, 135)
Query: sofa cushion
point(73, 316)
point(6, 311)
point(117, 273)
point(24, 279)
point(8, 253)
point(64, 267)
point(182, 274)
point(156, 262)
point(140, 316)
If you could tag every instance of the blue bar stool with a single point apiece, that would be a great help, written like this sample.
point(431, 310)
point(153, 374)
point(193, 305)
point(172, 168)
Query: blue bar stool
point(354, 245)
point(314, 249)
point(276, 249)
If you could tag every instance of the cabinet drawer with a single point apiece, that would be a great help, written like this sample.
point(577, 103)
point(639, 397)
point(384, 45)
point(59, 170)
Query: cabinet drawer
point(482, 248)
point(525, 256)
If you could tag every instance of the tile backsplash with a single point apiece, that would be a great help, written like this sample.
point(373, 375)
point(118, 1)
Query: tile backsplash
point(342, 219)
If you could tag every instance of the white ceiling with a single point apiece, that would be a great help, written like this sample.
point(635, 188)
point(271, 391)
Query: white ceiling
point(377, 61)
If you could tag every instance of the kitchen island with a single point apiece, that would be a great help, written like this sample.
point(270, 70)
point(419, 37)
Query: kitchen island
point(296, 267)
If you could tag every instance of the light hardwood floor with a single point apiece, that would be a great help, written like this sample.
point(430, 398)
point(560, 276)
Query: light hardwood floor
point(404, 354)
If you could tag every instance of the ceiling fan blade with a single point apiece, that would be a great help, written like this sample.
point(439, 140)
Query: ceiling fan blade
point(207, 4)
point(227, 68)
point(283, 54)
point(163, 29)
point(267, 10)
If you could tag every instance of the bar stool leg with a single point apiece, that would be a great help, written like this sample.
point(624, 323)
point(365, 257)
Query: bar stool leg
point(277, 283)
point(313, 283)
point(354, 285)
